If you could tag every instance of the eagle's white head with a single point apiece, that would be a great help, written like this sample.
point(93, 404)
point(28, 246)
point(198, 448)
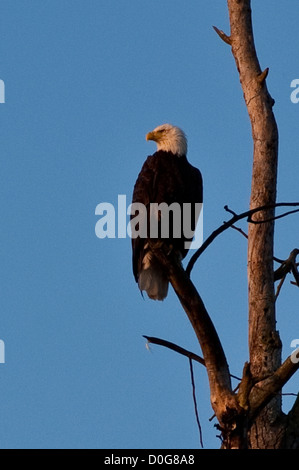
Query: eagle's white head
point(169, 138)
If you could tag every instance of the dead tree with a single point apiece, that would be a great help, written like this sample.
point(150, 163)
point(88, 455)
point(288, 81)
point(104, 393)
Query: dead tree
point(251, 416)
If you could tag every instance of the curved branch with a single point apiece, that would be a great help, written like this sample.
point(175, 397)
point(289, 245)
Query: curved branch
point(271, 219)
point(176, 348)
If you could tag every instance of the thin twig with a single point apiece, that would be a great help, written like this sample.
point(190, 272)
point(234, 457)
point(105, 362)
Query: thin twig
point(271, 218)
point(278, 260)
point(190, 355)
point(180, 350)
point(248, 214)
point(195, 403)
point(287, 266)
point(295, 273)
point(280, 286)
point(240, 230)
point(176, 348)
point(227, 209)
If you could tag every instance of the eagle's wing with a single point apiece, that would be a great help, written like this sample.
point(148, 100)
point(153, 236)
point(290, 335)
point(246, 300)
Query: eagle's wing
point(144, 192)
point(164, 177)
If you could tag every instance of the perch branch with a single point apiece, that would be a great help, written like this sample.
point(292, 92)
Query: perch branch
point(222, 396)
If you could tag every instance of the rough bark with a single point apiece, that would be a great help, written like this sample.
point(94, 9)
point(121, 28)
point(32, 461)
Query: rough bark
point(264, 342)
point(267, 424)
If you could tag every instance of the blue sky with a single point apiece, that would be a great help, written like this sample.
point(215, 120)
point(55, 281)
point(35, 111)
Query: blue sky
point(84, 82)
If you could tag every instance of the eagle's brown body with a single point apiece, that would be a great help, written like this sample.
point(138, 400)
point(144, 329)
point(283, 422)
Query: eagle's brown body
point(165, 177)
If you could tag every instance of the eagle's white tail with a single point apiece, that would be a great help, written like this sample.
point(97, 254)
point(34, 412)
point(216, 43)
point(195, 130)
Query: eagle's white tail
point(153, 279)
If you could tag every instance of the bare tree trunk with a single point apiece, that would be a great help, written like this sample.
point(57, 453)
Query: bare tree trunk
point(264, 342)
point(269, 426)
point(250, 417)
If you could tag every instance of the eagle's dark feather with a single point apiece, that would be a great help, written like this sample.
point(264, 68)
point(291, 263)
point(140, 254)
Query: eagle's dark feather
point(169, 178)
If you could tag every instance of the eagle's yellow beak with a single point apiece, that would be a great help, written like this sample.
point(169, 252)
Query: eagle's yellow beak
point(150, 136)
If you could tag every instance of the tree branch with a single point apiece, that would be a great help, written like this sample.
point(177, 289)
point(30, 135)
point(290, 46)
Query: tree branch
point(238, 229)
point(266, 389)
point(191, 356)
point(236, 217)
point(287, 266)
point(221, 393)
point(271, 219)
point(262, 77)
point(223, 36)
point(176, 348)
point(280, 285)
point(180, 350)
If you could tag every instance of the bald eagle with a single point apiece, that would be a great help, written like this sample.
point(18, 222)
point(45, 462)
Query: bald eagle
point(165, 177)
